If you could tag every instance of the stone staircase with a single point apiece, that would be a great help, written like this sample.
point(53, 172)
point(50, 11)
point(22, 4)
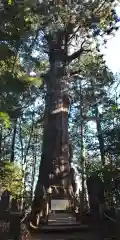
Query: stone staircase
point(63, 222)
point(62, 219)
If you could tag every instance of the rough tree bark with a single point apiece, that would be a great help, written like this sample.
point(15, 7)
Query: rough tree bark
point(55, 154)
point(55, 159)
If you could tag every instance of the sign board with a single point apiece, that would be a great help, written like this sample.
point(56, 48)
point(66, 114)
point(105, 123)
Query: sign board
point(61, 204)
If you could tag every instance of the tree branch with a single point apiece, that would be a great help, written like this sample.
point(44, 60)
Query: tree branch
point(72, 73)
point(99, 8)
point(73, 35)
point(77, 53)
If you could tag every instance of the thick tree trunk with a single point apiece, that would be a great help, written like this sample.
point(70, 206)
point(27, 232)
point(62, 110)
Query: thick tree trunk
point(55, 155)
point(55, 159)
point(55, 164)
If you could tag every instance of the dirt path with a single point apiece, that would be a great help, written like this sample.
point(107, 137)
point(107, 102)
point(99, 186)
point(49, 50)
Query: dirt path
point(93, 233)
point(74, 236)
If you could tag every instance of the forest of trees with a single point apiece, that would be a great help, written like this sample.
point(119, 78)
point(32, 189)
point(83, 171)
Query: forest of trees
point(50, 59)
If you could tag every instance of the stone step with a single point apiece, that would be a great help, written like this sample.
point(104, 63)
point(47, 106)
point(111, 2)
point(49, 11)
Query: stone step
point(63, 228)
point(62, 217)
point(63, 223)
point(70, 219)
